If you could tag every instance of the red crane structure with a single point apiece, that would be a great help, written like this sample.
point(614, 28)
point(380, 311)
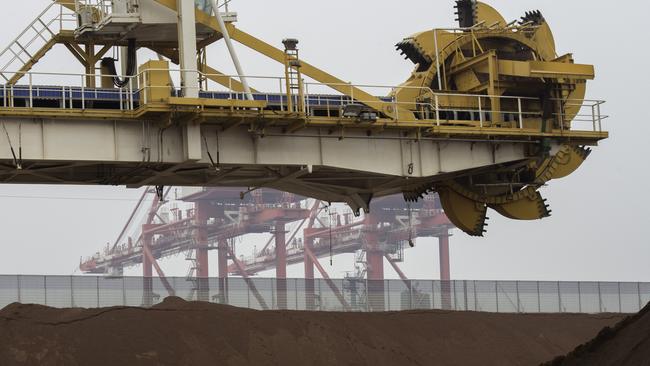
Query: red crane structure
point(213, 219)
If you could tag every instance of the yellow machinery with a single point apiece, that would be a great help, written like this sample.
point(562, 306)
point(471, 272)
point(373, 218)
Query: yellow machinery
point(487, 117)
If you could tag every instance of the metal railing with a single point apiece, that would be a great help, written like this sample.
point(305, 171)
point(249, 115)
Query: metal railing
point(316, 96)
point(49, 23)
point(349, 294)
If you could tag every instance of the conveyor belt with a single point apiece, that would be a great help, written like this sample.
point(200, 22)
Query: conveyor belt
point(65, 96)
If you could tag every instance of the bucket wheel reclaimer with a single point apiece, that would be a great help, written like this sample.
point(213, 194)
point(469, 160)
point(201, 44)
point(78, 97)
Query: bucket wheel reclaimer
point(521, 82)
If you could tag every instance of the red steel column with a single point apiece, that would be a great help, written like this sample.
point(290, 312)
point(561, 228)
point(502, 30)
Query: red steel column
point(310, 296)
point(445, 272)
point(375, 265)
point(281, 264)
point(201, 216)
point(223, 271)
point(147, 270)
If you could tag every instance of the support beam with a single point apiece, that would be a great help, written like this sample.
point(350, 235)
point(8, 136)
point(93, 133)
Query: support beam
point(310, 295)
point(249, 282)
point(189, 75)
point(375, 265)
point(327, 279)
point(152, 260)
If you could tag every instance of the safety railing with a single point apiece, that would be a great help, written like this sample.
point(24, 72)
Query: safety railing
point(350, 294)
point(30, 41)
point(587, 111)
point(317, 99)
point(67, 91)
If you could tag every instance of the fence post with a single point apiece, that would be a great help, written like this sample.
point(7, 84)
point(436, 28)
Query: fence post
point(71, 291)
point(579, 297)
point(433, 294)
point(97, 280)
point(387, 292)
point(45, 288)
point(295, 291)
point(559, 297)
point(455, 296)
point(600, 299)
point(465, 293)
point(620, 302)
point(496, 293)
point(475, 297)
point(123, 291)
point(638, 290)
point(518, 301)
point(539, 299)
point(411, 295)
point(19, 289)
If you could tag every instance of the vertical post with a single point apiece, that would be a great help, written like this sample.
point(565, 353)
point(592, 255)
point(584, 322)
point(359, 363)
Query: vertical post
point(97, 279)
point(375, 259)
point(83, 93)
point(201, 216)
point(539, 299)
point(620, 301)
point(19, 289)
point(496, 293)
point(31, 91)
point(223, 271)
point(638, 290)
point(518, 298)
point(480, 112)
point(445, 272)
point(411, 295)
point(559, 297)
point(281, 264)
point(475, 297)
point(147, 271)
point(123, 291)
point(45, 288)
point(593, 116)
point(189, 74)
point(437, 99)
point(579, 297)
point(521, 114)
point(465, 293)
point(600, 118)
point(310, 300)
point(71, 292)
point(600, 299)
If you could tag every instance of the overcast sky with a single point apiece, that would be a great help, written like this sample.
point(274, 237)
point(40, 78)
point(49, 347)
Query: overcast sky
point(600, 214)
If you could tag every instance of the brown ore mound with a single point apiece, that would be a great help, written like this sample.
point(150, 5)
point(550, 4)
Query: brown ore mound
point(182, 333)
point(627, 343)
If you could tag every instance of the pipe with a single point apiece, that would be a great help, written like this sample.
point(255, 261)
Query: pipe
point(231, 49)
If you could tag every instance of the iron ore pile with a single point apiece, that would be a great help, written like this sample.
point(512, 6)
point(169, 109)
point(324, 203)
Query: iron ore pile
point(176, 333)
point(626, 344)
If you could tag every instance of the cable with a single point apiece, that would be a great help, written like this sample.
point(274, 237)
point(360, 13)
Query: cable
point(109, 63)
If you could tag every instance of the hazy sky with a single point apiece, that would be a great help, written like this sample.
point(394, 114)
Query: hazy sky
point(600, 214)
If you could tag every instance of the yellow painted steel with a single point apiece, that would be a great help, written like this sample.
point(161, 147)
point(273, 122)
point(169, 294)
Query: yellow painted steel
point(466, 214)
point(154, 76)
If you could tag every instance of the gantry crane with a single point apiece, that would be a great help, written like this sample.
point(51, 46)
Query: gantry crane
point(491, 113)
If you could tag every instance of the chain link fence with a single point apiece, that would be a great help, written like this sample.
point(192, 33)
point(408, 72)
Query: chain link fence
point(331, 295)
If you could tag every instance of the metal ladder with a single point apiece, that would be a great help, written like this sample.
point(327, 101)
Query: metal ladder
point(294, 84)
point(33, 42)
